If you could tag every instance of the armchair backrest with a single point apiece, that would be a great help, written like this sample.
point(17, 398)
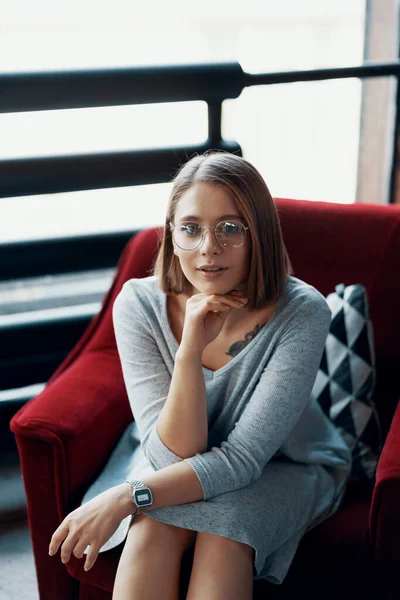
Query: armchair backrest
point(328, 243)
point(136, 261)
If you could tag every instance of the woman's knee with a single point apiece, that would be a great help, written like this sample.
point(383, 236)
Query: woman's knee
point(148, 532)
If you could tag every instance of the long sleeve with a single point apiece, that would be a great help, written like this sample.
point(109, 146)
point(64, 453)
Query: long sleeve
point(276, 405)
point(146, 376)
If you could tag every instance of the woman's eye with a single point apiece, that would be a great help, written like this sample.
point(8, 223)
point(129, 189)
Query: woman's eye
point(190, 229)
point(230, 228)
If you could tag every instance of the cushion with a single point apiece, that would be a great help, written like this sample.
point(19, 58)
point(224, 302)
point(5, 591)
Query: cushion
point(346, 378)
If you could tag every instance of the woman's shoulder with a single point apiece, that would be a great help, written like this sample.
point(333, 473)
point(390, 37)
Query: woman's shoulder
point(305, 297)
point(141, 292)
point(141, 285)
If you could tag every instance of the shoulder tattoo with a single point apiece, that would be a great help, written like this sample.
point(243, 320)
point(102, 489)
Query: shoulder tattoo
point(237, 347)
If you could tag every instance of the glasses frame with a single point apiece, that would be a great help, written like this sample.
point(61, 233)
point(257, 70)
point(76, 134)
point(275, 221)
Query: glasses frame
point(214, 227)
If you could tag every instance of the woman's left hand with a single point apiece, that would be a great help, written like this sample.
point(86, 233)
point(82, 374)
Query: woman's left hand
point(92, 524)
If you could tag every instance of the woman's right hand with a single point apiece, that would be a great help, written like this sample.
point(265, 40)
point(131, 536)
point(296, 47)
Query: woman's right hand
point(205, 317)
point(91, 524)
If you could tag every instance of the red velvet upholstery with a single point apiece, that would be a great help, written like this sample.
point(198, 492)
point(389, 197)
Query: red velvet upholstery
point(66, 434)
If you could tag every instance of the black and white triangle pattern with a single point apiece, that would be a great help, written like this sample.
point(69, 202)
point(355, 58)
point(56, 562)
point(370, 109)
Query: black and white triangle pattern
point(346, 378)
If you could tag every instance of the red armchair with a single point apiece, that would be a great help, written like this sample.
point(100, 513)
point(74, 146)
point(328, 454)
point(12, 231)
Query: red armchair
point(66, 434)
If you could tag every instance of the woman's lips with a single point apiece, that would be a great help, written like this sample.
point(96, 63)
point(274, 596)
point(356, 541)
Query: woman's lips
point(212, 274)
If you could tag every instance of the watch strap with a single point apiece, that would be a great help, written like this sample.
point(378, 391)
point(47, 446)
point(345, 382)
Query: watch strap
point(136, 484)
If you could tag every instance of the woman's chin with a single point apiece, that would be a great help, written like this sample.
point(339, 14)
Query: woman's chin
point(209, 287)
point(219, 286)
point(215, 287)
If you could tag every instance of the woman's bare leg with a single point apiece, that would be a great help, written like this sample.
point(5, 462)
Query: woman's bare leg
point(222, 569)
point(150, 563)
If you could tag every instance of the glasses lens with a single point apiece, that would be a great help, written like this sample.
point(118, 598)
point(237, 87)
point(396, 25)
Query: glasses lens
point(230, 234)
point(187, 235)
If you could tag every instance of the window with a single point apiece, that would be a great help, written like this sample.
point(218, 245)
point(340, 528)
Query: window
point(293, 133)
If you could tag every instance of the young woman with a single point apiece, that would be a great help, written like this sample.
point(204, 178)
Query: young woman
point(228, 453)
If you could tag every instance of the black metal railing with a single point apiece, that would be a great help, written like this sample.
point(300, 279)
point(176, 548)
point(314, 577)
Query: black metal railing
point(212, 83)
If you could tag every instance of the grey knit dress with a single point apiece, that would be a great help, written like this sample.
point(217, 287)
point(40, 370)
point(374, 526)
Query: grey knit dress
point(275, 465)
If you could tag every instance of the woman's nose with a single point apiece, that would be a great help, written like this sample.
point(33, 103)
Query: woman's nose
point(209, 242)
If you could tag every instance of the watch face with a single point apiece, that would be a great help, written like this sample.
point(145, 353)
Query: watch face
point(143, 497)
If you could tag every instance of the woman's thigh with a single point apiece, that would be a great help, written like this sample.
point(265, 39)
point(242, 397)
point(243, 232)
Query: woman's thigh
point(284, 501)
point(146, 532)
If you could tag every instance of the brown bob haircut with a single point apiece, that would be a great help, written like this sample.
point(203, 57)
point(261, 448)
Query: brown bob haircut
point(269, 260)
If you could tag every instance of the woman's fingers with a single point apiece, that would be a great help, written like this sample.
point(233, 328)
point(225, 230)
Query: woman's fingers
point(89, 526)
point(63, 535)
point(79, 549)
point(208, 301)
point(200, 327)
point(58, 536)
point(91, 557)
point(221, 308)
point(219, 303)
point(216, 306)
point(67, 547)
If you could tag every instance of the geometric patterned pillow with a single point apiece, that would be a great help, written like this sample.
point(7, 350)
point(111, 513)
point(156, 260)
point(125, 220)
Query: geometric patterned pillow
point(346, 378)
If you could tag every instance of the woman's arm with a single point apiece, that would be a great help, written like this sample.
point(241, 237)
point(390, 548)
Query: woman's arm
point(172, 485)
point(270, 415)
point(93, 523)
point(183, 423)
point(170, 411)
point(147, 377)
point(275, 407)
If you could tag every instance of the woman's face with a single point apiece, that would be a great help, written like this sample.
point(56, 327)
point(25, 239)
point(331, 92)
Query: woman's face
point(208, 204)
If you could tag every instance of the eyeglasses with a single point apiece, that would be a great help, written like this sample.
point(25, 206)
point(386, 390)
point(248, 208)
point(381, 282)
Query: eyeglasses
point(229, 234)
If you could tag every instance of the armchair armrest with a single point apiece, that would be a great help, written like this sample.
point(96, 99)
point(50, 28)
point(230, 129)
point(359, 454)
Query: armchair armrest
point(81, 415)
point(384, 518)
point(64, 437)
